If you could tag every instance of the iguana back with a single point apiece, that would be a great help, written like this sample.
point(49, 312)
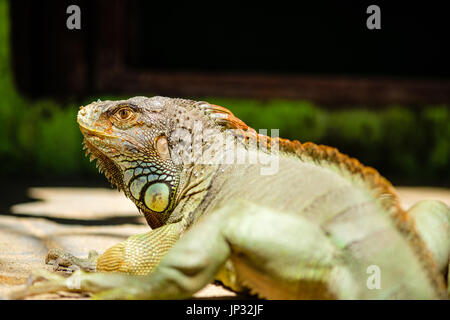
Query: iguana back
point(353, 204)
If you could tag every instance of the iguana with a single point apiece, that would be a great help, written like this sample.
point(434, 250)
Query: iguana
point(320, 226)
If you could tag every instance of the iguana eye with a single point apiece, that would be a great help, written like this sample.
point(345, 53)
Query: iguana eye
point(124, 113)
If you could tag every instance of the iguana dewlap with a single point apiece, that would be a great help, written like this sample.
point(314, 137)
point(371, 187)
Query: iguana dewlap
point(278, 218)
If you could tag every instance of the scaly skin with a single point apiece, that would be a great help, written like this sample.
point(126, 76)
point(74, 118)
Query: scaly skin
point(310, 230)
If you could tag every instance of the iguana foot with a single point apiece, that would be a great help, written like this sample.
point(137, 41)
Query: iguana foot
point(99, 285)
point(39, 282)
point(63, 260)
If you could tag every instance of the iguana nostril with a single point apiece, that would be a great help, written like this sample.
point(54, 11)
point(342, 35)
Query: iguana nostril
point(82, 111)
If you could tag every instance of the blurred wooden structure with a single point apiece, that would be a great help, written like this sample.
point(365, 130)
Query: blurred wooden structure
point(50, 60)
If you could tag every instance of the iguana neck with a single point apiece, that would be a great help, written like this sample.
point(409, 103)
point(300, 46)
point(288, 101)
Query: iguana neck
point(194, 184)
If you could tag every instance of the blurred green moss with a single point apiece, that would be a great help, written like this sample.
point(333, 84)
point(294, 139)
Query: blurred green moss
point(436, 123)
point(295, 119)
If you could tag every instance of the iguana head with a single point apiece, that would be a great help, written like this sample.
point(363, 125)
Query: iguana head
point(135, 141)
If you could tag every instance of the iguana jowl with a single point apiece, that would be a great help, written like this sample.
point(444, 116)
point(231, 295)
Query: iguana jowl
point(312, 230)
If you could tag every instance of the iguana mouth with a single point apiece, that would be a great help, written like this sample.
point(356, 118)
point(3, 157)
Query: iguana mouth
point(94, 133)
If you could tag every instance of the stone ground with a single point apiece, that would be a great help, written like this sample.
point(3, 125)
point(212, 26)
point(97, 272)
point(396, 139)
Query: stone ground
point(81, 219)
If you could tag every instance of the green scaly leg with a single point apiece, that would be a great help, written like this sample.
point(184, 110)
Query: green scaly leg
point(137, 255)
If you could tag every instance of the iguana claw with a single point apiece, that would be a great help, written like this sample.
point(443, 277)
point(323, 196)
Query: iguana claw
point(63, 260)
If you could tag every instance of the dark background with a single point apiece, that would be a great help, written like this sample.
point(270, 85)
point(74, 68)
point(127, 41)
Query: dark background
point(320, 51)
point(310, 37)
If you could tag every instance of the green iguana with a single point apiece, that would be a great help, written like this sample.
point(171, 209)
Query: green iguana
point(273, 217)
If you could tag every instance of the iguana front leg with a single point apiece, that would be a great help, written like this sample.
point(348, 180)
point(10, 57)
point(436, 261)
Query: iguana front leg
point(137, 255)
point(64, 260)
point(253, 237)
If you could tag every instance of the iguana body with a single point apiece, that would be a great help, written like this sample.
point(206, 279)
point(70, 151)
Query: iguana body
point(313, 229)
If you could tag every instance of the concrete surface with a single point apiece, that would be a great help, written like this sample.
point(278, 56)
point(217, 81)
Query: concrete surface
point(81, 219)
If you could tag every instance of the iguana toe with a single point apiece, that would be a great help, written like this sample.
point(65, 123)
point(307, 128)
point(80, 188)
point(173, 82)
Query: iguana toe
point(65, 261)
